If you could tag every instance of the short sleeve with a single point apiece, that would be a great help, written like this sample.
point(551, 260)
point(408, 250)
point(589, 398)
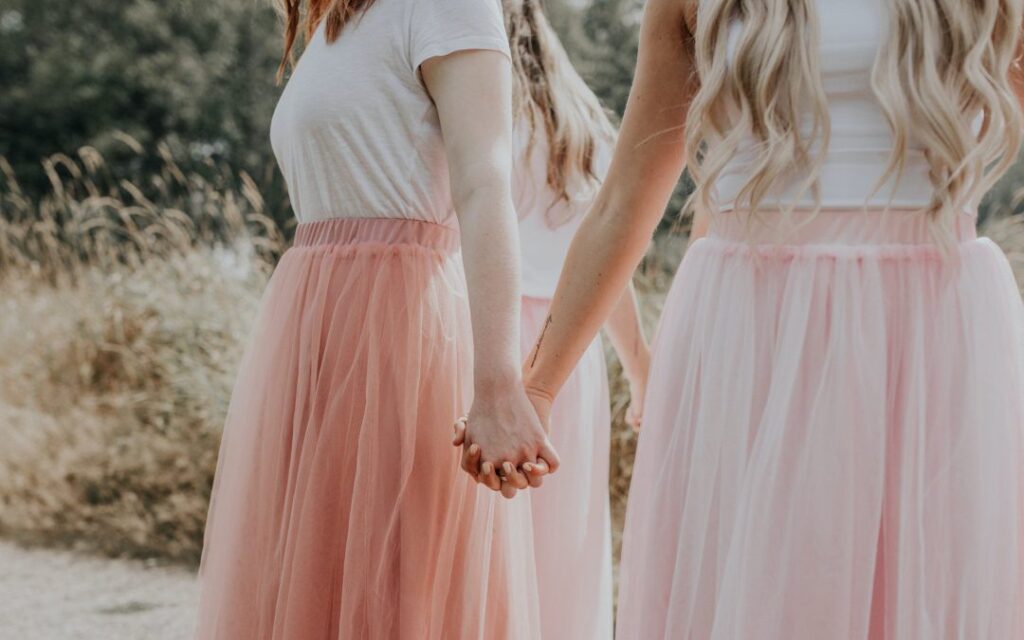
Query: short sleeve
point(441, 27)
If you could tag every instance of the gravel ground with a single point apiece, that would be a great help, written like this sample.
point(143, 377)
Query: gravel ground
point(59, 595)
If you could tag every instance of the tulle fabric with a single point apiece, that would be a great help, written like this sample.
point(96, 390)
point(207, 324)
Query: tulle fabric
point(338, 510)
point(832, 439)
point(572, 525)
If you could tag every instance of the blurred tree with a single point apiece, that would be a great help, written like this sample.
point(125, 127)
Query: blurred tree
point(601, 38)
point(197, 74)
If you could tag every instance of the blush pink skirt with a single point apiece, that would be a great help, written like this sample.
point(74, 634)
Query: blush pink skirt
point(572, 530)
point(338, 509)
point(832, 443)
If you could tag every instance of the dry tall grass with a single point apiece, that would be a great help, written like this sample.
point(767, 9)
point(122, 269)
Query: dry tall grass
point(125, 310)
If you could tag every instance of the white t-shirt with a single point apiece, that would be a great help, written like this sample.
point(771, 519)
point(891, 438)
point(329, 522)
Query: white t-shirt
point(547, 223)
point(355, 132)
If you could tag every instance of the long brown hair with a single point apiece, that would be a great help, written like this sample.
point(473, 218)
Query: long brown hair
point(549, 93)
point(334, 13)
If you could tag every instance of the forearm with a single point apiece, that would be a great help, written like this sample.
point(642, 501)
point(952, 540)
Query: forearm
point(625, 330)
point(649, 157)
point(601, 260)
point(491, 260)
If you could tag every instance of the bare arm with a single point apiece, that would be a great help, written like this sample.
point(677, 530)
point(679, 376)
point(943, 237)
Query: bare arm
point(700, 225)
point(648, 161)
point(472, 91)
point(626, 333)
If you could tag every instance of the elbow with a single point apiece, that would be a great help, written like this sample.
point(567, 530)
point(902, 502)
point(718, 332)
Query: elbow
point(619, 220)
point(483, 193)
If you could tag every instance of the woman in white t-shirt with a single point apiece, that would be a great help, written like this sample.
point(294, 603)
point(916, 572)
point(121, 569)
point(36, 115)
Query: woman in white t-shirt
point(563, 142)
point(338, 510)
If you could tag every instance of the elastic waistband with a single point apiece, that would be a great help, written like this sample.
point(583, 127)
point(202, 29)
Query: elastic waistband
point(837, 227)
point(381, 231)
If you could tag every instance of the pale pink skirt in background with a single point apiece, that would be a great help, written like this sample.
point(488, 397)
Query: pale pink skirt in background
point(832, 443)
point(572, 525)
point(338, 509)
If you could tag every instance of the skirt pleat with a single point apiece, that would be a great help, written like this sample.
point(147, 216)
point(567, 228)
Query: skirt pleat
point(832, 442)
point(338, 508)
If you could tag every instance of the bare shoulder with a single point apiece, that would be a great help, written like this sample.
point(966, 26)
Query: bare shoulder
point(667, 16)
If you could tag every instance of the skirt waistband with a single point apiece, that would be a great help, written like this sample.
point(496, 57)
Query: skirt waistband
point(850, 227)
point(382, 231)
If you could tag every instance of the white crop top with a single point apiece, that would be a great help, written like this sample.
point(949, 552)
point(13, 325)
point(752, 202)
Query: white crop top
point(852, 32)
point(355, 131)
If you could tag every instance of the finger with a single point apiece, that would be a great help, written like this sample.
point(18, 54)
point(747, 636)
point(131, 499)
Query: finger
point(633, 418)
point(539, 468)
point(514, 476)
point(508, 491)
point(459, 428)
point(550, 456)
point(535, 472)
point(471, 459)
point(488, 477)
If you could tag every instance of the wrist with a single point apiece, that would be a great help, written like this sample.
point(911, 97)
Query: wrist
point(495, 381)
point(536, 388)
point(636, 368)
point(634, 373)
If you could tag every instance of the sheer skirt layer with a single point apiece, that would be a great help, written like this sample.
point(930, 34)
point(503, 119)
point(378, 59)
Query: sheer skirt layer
point(338, 509)
point(832, 440)
point(571, 513)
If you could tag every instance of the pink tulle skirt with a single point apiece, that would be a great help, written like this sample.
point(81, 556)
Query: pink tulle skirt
point(832, 443)
point(338, 510)
point(572, 530)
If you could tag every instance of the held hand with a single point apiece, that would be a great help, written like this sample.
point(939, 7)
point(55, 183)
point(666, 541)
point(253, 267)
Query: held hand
point(636, 370)
point(542, 406)
point(534, 472)
point(504, 443)
point(635, 411)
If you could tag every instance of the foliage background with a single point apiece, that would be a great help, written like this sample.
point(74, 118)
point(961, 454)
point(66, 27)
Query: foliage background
point(140, 214)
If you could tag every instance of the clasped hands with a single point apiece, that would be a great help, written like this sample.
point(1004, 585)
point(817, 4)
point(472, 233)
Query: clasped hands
point(504, 440)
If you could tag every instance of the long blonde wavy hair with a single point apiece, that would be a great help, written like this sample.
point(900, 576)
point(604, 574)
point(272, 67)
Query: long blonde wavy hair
point(945, 62)
point(549, 94)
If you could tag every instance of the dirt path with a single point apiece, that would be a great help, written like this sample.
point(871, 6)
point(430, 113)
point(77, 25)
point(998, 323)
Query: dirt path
point(57, 595)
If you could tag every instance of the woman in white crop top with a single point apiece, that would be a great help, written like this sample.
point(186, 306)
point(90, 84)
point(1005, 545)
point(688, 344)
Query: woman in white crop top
point(339, 510)
point(833, 442)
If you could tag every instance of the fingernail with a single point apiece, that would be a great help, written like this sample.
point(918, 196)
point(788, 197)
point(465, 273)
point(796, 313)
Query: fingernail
point(508, 468)
point(473, 449)
point(527, 466)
